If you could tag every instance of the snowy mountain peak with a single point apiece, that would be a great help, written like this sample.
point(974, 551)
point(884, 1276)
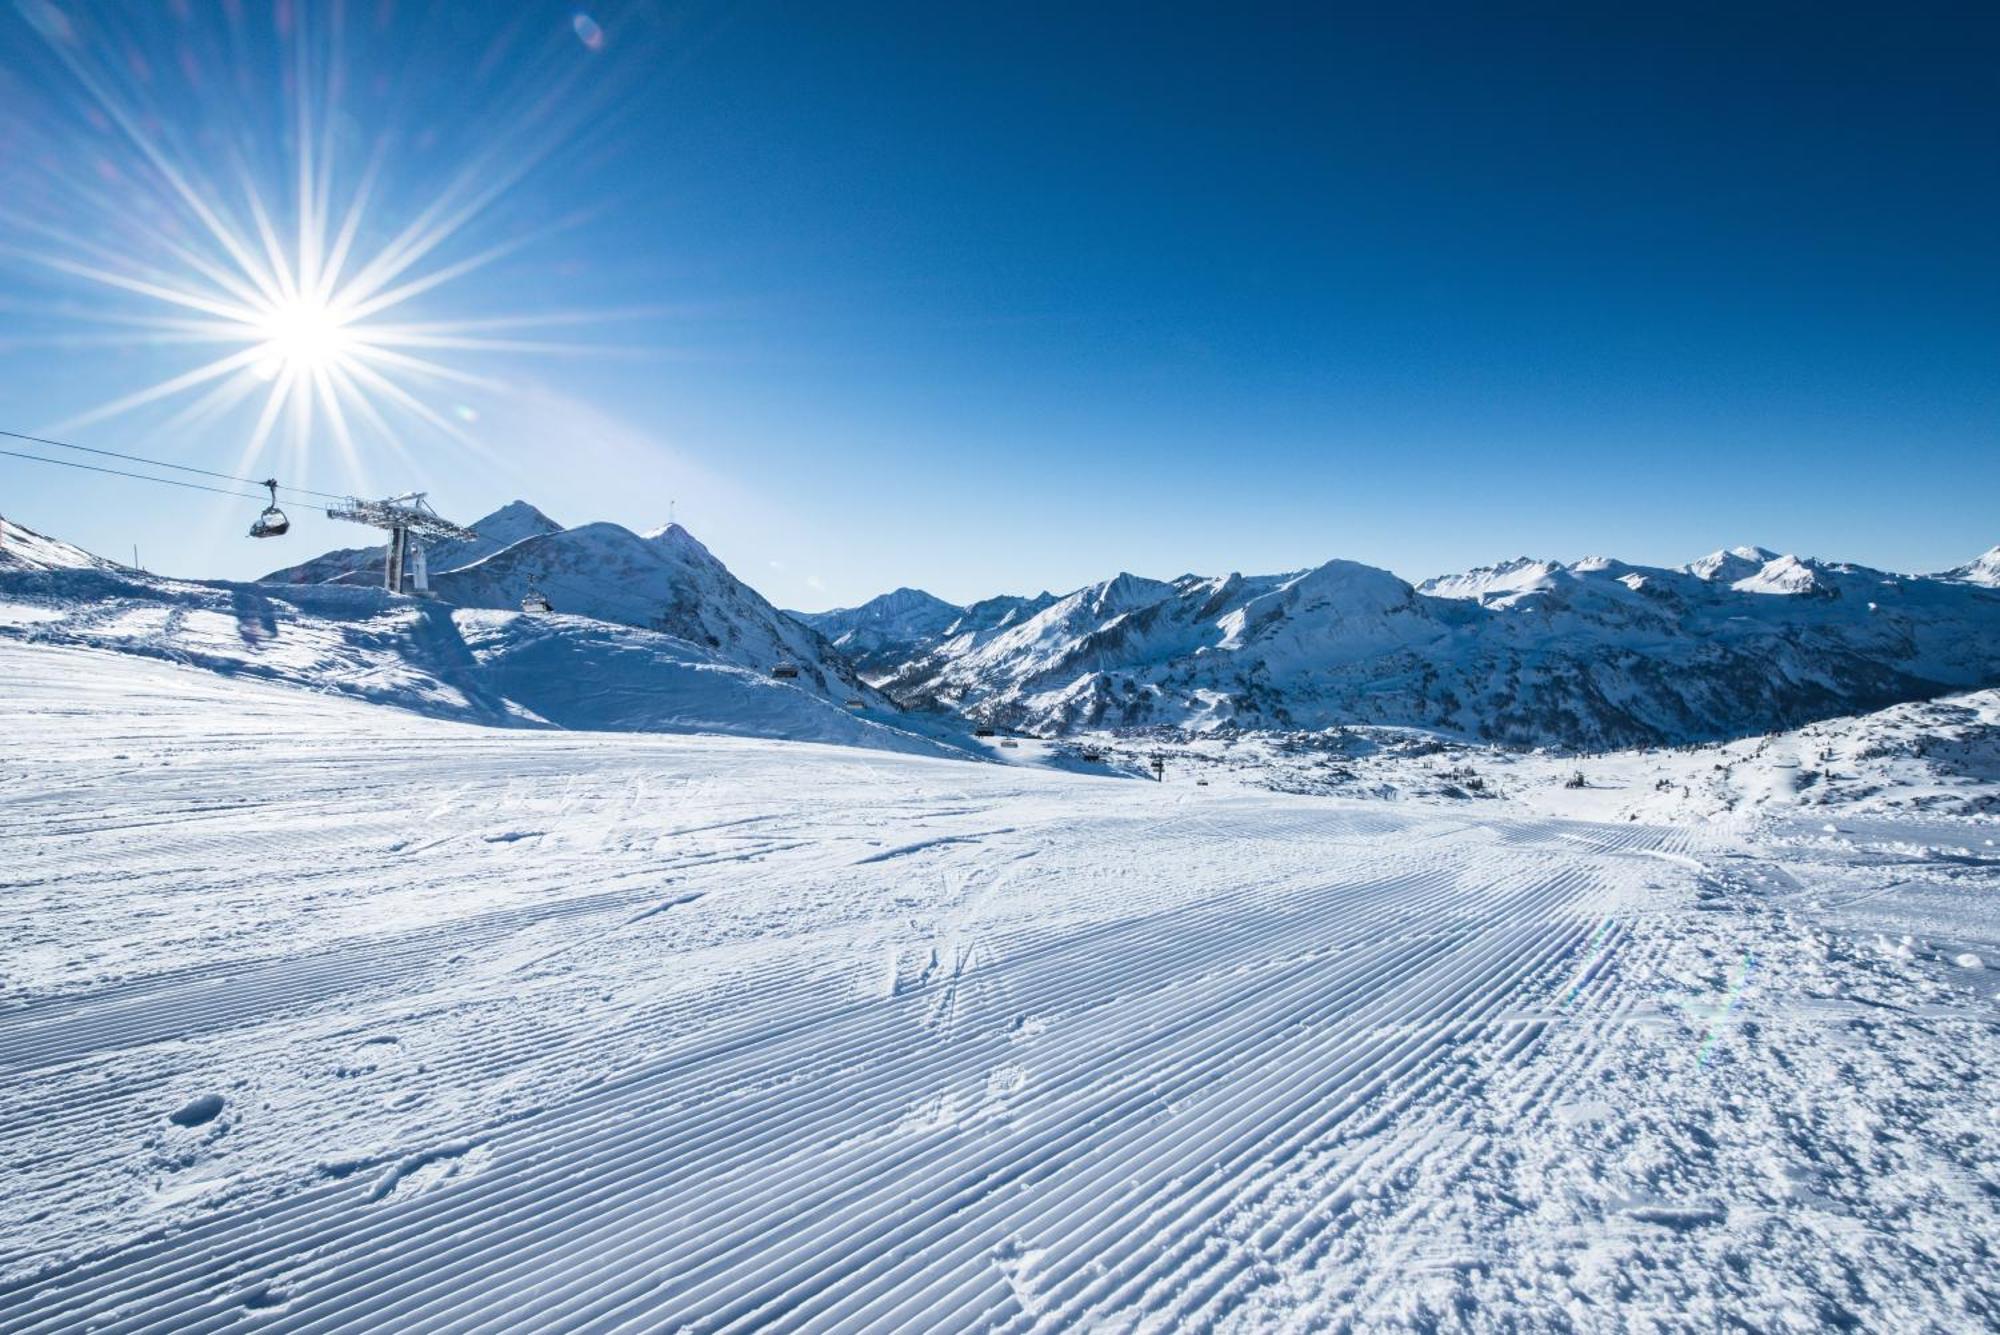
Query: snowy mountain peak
point(1727, 565)
point(1124, 592)
point(1350, 583)
point(886, 630)
point(675, 538)
point(1505, 582)
point(1788, 574)
point(517, 519)
point(1984, 569)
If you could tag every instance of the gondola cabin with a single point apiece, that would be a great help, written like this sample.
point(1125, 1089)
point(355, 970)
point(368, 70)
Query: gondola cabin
point(272, 523)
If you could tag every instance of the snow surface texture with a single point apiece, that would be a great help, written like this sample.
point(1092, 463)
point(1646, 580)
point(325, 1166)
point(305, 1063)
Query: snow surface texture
point(1936, 756)
point(493, 667)
point(1592, 655)
point(321, 1016)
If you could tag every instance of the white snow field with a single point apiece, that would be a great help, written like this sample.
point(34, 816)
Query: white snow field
point(316, 1015)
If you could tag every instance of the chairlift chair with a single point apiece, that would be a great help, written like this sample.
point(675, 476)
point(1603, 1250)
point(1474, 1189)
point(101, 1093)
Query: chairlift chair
point(272, 523)
point(784, 672)
point(855, 703)
point(536, 602)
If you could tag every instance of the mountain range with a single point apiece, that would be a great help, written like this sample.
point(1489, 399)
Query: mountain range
point(663, 581)
point(1587, 655)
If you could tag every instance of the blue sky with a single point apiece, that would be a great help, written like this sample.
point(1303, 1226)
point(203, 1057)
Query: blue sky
point(998, 298)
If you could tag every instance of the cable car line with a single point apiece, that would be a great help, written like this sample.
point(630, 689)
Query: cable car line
point(120, 472)
point(160, 463)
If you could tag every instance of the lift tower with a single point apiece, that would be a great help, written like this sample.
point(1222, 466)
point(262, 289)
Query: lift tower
point(409, 520)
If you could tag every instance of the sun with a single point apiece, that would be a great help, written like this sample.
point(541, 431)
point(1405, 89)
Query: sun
point(305, 273)
point(304, 336)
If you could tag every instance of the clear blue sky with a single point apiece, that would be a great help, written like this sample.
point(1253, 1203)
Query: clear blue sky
point(1005, 297)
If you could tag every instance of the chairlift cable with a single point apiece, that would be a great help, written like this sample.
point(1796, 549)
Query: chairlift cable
point(120, 472)
point(160, 463)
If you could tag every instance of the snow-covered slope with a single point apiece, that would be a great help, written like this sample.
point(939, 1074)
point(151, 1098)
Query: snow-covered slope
point(496, 667)
point(1925, 758)
point(21, 548)
point(665, 581)
point(320, 1017)
point(1595, 654)
point(363, 565)
point(1983, 570)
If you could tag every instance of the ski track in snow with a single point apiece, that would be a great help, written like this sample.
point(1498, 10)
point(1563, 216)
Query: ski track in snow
point(330, 1019)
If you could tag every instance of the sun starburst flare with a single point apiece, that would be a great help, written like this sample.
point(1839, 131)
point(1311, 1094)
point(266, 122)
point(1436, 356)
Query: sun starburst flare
point(313, 284)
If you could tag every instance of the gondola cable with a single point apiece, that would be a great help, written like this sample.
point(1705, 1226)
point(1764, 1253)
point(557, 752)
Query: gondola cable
point(154, 463)
point(120, 472)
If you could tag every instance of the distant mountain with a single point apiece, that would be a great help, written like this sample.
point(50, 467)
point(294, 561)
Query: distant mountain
point(21, 548)
point(1983, 569)
point(664, 581)
point(887, 631)
point(1496, 585)
point(498, 531)
point(886, 635)
point(1728, 566)
point(1595, 654)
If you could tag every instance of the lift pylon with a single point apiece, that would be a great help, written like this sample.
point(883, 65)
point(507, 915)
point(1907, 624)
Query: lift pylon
point(409, 521)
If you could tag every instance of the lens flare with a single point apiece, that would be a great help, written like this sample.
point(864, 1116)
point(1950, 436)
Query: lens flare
point(272, 193)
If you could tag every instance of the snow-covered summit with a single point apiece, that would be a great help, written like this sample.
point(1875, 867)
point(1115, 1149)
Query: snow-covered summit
point(1983, 569)
point(1509, 580)
point(887, 630)
point(1789, 575)
point(665, 581)
point(1726, 566)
